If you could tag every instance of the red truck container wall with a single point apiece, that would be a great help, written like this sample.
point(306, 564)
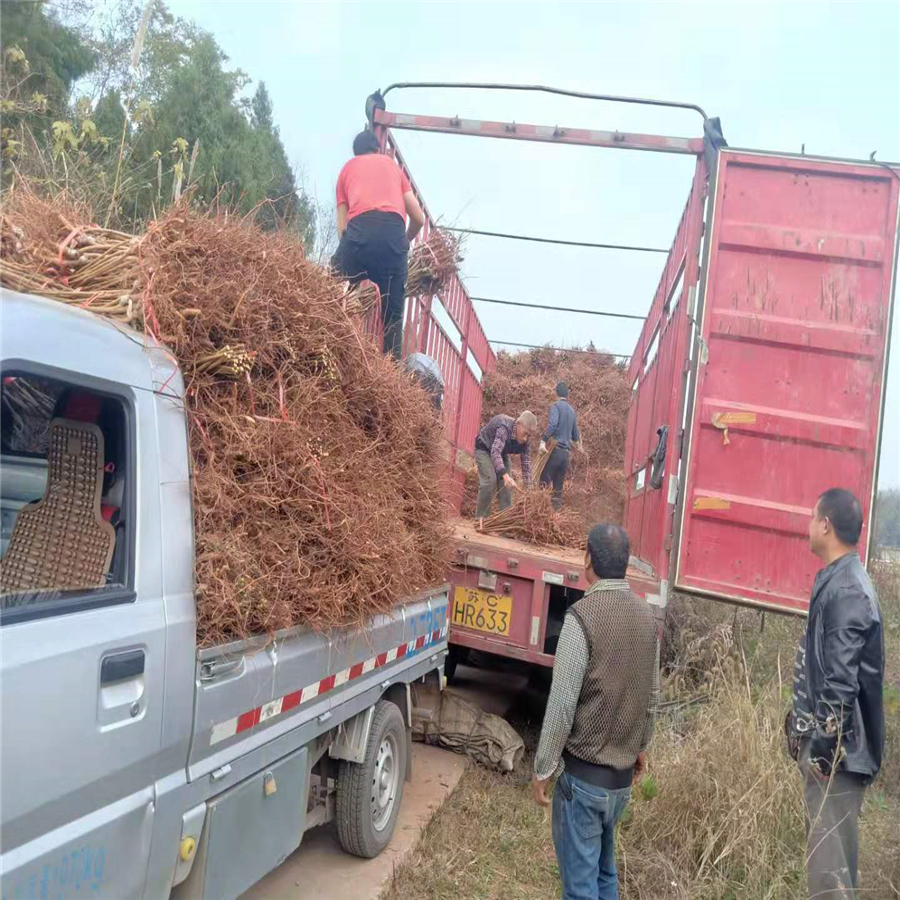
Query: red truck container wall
point(788, 398)
point(658, 371)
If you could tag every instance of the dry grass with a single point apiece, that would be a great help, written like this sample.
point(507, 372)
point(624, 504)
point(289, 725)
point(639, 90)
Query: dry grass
point(720, 817)
point(489, 841)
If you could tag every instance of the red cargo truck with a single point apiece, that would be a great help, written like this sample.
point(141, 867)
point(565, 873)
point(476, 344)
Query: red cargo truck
point(762, 361)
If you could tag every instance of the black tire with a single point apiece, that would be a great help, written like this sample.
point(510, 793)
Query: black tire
point(450, 665)
point(455, 656)
point(369, 793)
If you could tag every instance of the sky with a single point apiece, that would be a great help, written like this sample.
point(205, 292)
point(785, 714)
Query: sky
point(779, 75)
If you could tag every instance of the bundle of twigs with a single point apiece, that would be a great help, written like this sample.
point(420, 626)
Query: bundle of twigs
point(533, 519)
point(541, 462)
point(317, 468)
point(43, 252)
point(432, 263)
point(229, 362)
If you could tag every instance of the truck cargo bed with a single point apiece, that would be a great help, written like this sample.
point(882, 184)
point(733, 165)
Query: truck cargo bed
point(298, 681)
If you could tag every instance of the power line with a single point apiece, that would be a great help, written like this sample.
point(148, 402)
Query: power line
point(561, 349)
point(538, 240)
point(587, 312)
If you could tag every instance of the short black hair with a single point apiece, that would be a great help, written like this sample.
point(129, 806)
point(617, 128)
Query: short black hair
point(365, 142)
point(844, 511)
point(609, 549)
point(562, 389)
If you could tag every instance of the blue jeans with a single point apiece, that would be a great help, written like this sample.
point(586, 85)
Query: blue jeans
point(584, 822)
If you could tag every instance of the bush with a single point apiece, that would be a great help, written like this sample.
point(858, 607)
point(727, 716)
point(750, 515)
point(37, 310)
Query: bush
point(727, 816)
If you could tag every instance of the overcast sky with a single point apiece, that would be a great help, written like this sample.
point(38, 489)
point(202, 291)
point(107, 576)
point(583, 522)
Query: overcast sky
point(779, 75)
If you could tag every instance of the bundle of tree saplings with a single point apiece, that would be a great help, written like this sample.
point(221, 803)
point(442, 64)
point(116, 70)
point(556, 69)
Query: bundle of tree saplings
point(45, 249)
point(533, 519)
point(316, 462)
point(432, 264)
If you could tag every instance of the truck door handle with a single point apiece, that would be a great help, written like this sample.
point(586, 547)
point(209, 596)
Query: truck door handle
point(121, 666)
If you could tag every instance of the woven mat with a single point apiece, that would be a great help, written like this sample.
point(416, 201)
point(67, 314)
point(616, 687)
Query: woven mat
point(61, 542)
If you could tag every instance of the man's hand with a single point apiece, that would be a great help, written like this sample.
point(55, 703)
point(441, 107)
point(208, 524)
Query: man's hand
point(508, 481)
point(640, 767)
point(541, 790)
point(542, 447)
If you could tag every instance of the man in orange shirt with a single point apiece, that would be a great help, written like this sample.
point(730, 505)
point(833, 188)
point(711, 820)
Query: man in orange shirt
point(374, 197)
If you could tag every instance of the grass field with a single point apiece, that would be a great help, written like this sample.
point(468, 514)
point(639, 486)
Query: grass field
point(720, 816)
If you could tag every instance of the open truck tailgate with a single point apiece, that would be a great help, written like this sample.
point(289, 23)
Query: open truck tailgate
point(788, 395)
point(509, 597)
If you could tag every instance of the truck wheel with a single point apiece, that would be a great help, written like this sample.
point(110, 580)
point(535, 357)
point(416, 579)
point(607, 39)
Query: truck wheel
point(455, 655)
point(369, 793)
point(450, 666)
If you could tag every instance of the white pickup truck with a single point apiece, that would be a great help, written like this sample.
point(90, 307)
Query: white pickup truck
point(136, 764)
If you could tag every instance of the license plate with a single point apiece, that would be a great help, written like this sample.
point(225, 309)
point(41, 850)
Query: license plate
point(482, 610)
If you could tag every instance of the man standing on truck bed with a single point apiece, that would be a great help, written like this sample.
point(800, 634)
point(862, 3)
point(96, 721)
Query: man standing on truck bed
point(563, 425)
point(496, 440)
point(374, 196)
point(599, 718)
point(836, 727)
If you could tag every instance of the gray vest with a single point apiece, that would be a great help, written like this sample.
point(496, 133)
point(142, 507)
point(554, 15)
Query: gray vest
point(612, 711)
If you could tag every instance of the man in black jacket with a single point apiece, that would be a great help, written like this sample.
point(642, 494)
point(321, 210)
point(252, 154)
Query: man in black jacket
point(836, 728)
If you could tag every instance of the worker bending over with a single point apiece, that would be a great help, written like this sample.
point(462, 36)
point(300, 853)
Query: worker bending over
point(563, 426)
point(495, 442)
point(374, 197)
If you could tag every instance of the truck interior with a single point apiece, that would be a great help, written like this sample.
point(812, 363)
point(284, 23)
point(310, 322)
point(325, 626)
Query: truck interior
point(63, 501)
point(561, 598)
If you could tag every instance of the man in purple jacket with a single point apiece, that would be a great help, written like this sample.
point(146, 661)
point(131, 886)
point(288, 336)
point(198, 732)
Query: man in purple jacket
point(502, 436)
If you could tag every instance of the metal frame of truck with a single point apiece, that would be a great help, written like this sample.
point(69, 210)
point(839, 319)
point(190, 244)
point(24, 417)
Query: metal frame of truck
point(717, 526)
point(135, 764)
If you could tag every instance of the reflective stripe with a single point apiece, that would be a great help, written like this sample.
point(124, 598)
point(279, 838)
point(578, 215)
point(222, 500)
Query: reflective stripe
point(221, 731)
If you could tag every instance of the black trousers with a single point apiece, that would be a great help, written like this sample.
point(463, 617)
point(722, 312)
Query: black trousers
point(555, 473)
point(375, 247)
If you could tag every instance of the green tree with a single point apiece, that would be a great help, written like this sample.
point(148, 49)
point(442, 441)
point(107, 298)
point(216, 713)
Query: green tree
point(109, 114)
point(887, 518)
point(285, 206)
point(57, 55)
point(144, 132)
point(261, 109)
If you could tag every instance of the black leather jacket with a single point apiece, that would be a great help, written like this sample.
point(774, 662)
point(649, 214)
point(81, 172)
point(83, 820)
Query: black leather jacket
point(845, 667)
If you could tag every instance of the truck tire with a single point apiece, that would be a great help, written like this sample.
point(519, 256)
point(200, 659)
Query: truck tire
point(455, 655)
point(369, 793)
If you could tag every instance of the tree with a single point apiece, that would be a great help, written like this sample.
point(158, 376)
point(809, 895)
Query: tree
point(261, 110)
point(57, 56)
point(887, 518)
point(142, 134)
